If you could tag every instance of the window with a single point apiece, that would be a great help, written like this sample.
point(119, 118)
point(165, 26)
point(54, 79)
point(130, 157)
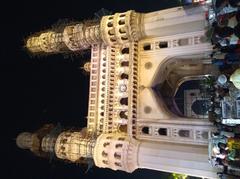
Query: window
point(106, 144)
point(124, 76)
point(124, 101)
point(117, 156)
point(145, 130)
point(125, 50)
point(113, 39)
point(105, 162)
point(123, 115)
point(94, 77)
point(122, 30)
point(162, 131)
point(184, 133)
point(121, 22)
point(183, 42)
point(111, 32)
point(110, 24)
point(124, 38)
point(121, 138)
point(118, 164)
point(124, 64)
point(123, 128)
point(118, 146)
point(163, 44)
point(147, 46)
point(205, 135)
point(104, 154)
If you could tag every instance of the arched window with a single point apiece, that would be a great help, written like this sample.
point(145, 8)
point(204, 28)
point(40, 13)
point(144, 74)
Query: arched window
point(184, 133)
point(162, 131)
point(118, 146)
point(145, 130)
point(124, 76)
point(118, 164)
point(125, 50)
point(123, 128)
point(121, 22)
point(105, 162)
point(110, 24)
point(106, 144)
point(121, 138)
point(104, 154)
point(117, 156)
point(163, 44)
point(123, 115)
point(147, 46)
point(205, 135)
point(124, 101)
point(125, 64)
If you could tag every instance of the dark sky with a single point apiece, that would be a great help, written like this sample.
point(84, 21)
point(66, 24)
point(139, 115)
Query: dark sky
point(49, 89)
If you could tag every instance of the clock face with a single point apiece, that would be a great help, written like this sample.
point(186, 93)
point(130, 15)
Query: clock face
point(123, 88)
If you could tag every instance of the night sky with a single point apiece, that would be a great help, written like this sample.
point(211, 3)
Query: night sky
point(49, 89)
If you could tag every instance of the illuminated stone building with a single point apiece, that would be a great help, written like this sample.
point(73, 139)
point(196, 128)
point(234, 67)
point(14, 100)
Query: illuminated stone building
point(138, 62)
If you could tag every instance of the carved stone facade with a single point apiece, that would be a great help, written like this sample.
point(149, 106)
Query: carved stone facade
point(129, 123)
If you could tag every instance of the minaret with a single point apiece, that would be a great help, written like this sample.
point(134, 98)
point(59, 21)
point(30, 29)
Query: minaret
point(129, 124)
point(74, 146)
point(40, 142)
point(75, 37)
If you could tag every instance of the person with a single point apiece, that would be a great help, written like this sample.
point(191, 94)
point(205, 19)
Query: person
point(221, 156)
point(227, 61)
point(223, 32)
point(222, 146)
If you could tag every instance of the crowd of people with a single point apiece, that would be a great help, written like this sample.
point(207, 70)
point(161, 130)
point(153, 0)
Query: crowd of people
point(224, 28)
